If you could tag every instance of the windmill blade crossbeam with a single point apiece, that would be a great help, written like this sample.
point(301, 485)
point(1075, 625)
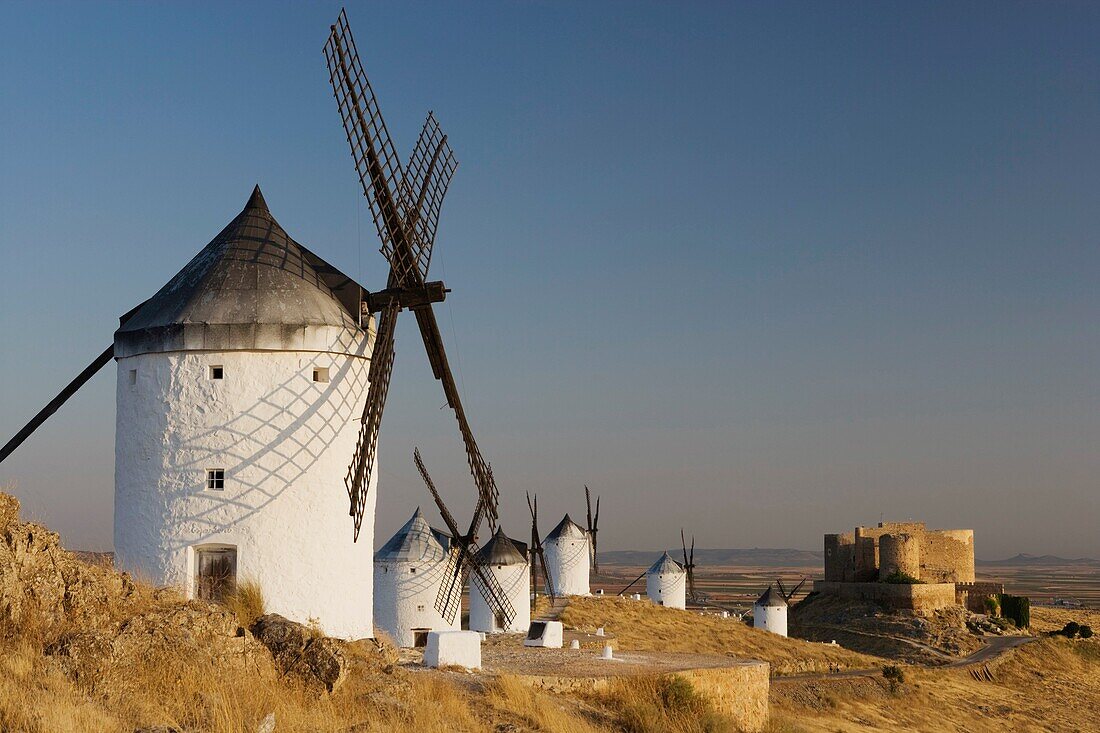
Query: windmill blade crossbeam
point(357, 480)
point(427, 176)
point(376, 163)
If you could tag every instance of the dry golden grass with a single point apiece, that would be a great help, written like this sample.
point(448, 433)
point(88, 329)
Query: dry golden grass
point(663, 705)
point(642, 626)
point(1044, 618)
point(1052, 684)
point(247, 603)
point(534, 710)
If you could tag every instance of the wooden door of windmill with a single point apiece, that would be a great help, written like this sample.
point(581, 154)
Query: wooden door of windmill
point(216, 575)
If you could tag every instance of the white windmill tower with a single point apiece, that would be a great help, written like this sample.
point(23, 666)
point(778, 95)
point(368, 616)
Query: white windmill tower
point(506, 559)
point(408, 571)
point(568, 558)
point(239, 384)
point(241, 388)
point(770, 612)
point(666, 583)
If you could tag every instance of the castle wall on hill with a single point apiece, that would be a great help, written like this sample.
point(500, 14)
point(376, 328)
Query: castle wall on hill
point(947, 556)
point(869, 554)
point(920, 599)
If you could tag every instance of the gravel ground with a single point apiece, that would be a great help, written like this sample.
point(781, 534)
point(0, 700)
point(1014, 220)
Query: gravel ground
point(505, 653)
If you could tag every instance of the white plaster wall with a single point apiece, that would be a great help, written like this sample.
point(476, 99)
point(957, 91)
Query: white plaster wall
point(404, 599)
point(567, 560)
point(668, 589)
point(285, 443)
point(770, 618)
point(515, 580)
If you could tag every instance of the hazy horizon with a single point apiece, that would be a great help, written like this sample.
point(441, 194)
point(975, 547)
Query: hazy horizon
point(762, 271)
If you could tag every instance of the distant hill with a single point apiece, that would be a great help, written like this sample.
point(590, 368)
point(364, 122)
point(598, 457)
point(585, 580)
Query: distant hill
point(1025, 559)
point(767, 557)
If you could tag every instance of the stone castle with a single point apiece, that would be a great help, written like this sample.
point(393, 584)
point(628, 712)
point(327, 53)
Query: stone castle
point(927, 568)
point(874, 553)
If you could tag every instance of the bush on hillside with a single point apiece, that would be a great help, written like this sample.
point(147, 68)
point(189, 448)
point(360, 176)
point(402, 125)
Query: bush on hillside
point(899, 578)
point(1071, 629)
point(1085, 632)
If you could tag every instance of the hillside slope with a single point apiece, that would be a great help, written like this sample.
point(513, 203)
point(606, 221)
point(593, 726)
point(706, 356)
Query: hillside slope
point(643, 626)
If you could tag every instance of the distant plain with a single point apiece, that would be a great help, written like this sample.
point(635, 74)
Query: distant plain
point(737, 577)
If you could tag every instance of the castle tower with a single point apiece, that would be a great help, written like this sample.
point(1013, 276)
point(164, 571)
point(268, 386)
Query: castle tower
point(899, 553)
point(240, 384)
point(507, 560)
point(770, 612)
point(567, 558)
point(666, 583)
point(408, 570)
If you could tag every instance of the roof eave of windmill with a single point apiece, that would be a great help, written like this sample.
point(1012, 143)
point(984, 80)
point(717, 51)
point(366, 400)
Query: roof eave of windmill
point(414, 542)
point(251, 288)
point(567, 528)
point(771, 599)
point(502, 550)
point(666, 564)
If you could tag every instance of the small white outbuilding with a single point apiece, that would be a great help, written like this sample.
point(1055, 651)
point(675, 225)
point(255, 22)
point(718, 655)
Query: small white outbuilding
point(408, 570)
point(770, 612)
point(568, 557)
point(506, 560)
point(666, 583)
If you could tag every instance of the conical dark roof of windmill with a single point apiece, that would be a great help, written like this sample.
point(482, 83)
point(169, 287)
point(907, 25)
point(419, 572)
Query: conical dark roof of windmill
point(772, 598)
point(414, 542)
point(253, 288)
point(501, 550)
point(664, 565)
point(567, 528)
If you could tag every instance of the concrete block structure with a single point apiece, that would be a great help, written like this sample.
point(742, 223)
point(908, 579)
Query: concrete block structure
point(545, 634)
point(453, 649)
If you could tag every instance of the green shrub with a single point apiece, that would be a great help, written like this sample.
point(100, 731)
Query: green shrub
point(1071, 629)
point(1017, 609)
point(899, 578)
point(992, 606)
point(1085, 632)
point(893, 672)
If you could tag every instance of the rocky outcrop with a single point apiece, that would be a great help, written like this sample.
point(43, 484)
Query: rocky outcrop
point(299, 650)
point(193, 630)
point(38, 577)
point(96, 623)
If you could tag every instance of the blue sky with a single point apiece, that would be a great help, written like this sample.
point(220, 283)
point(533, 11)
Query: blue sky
point(763, 270)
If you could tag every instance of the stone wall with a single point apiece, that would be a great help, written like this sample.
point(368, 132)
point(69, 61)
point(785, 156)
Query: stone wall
point(923, 598)
point(899, 553)
point(973, 595)
point(935, 556)
point(739, 691)
point(947, 556)
point(840, 557)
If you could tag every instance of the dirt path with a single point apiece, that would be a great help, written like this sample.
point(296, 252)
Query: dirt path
point(994, 647)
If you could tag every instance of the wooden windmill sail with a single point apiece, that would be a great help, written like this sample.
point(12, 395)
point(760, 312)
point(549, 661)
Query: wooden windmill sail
point(593, 528)
point(463, 563)
point(405, 202)
point(788, 596)
point(538, 555)
point(689, 566)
